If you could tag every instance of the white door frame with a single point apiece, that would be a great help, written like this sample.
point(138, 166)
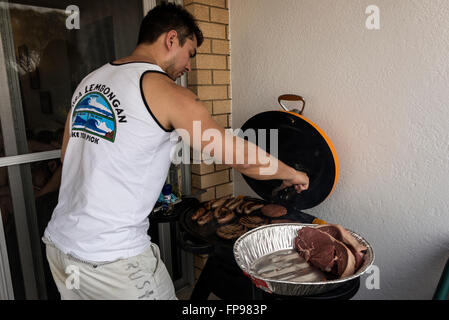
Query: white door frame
point(11, 115)
point(6, 288)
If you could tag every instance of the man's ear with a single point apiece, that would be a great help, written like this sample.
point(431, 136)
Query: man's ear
point(170, 39)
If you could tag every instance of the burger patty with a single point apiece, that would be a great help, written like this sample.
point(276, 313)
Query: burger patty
point(273, 210)
point(253, 221)
point(231, 231)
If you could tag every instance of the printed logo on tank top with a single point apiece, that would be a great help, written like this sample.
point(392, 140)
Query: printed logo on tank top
point(93, 117)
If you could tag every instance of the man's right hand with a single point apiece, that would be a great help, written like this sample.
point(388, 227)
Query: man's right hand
point(299, 179)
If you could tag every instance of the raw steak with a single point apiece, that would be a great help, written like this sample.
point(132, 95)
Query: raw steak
point(324, 252)
point(343, 235)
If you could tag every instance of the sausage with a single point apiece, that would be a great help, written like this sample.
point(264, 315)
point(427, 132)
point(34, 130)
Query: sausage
point(231, 202)
point(205, 218)
point(252, 206)
point(218, 203)
point(198, 213)
point(235, 204)
point(244, 205)
point(223, 215)
point(239, 208)
point(208, 204)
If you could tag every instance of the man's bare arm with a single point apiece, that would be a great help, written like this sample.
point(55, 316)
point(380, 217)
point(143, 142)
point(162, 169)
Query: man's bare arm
point(181, 109)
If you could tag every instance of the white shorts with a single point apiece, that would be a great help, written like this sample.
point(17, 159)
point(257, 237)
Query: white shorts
point(143, 277)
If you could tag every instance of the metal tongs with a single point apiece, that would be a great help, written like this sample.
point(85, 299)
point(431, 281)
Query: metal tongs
point(287, 194)
point(284, 194)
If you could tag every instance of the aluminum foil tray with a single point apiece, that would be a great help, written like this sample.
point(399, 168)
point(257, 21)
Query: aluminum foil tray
point(266, 254)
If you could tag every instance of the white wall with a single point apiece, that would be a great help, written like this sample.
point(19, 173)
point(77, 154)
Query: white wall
point(382, 98)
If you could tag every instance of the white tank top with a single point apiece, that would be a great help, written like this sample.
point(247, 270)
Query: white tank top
point(116, 162)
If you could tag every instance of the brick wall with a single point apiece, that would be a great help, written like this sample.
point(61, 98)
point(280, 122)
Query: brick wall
point(210, 79)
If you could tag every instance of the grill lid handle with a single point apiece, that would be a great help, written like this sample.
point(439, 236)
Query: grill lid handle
point(292, 97)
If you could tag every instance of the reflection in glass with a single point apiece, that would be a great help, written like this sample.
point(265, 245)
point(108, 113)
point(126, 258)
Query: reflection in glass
point(42, 64)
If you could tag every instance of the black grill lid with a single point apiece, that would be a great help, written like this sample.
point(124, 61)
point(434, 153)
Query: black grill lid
point(303, 146)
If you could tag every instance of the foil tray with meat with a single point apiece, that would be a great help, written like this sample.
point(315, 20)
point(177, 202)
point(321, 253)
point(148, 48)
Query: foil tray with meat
point(302, 259)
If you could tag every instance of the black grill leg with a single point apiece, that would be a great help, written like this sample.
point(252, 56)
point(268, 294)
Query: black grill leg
point(202, 288)
point(257, 294)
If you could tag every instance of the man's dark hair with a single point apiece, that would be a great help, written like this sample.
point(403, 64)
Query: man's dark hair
point(166, 17)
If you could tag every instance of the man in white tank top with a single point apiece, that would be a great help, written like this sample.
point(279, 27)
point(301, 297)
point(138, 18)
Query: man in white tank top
point(116, 155)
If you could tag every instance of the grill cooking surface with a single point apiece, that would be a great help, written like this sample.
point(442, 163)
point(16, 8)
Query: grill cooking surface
point(207, 232)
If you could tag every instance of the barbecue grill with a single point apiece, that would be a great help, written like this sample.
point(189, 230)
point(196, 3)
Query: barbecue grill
point(301, 145)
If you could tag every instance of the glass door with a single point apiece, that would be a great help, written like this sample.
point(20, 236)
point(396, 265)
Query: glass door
point(46, 48)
